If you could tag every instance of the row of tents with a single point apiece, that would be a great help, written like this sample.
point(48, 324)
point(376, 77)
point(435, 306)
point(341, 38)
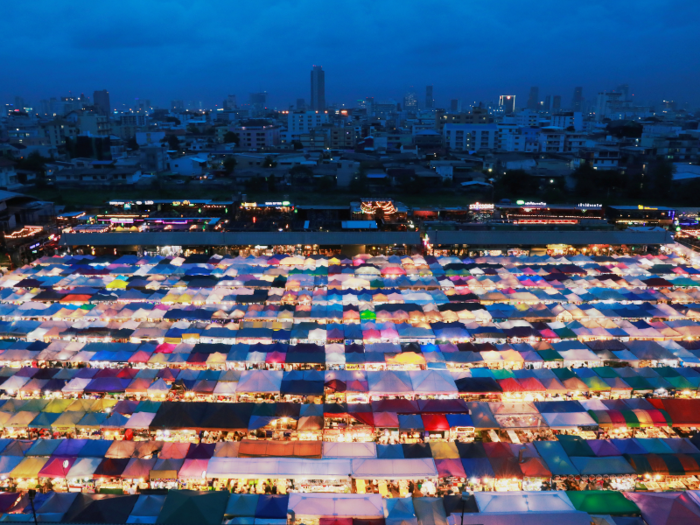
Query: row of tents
point(490, 508)
point(438, 415)
point(78, 459)
point(623, 382)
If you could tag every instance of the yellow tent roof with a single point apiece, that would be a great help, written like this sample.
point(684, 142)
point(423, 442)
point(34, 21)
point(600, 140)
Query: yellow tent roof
point(56, 406)
point(101, 405)
point(28, 468)
point(444, 450)
point(117, 284)
point(79, 405)
point(68, 419)
point(21, 419)
point(406, 358)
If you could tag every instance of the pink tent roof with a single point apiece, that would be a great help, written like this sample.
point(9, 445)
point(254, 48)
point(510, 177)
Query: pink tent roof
point(138, 468)
point(57, 467)
point(193, 469)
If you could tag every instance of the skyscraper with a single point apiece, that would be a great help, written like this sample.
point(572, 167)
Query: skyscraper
point(547, 103)
point(625, 90)
point(455, 105)
point(101, 102)
point(410, 101)
point(556, 103)
point(301, 104)
point(534, 98)
point(230, 102)
point(258, 101)
point(507, 103)
point(577, 102)
point(429, 101)
point(318, 89)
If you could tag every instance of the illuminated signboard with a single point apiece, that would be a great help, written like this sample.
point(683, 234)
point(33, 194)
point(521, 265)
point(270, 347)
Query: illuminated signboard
point(372, 206)
point(477, 206)
point(531, 204)
point(35, 246)
point(646, 207)
point(589, 205)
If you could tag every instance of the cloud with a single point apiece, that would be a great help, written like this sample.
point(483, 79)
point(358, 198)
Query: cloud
point(163, 49)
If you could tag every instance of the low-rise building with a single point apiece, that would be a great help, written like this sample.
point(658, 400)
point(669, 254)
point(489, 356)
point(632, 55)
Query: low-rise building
point(91, 177)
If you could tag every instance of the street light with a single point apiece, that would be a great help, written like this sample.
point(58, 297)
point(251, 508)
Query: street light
point(465, 497)
point(32, 493)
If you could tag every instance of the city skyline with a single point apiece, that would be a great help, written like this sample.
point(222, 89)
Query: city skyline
point(161, 56)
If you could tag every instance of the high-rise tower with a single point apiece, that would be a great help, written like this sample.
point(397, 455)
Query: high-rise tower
point(318, 89)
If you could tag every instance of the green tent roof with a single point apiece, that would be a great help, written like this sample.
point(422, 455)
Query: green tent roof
point(550, 355)
point(189, 506)
point(596, 384)
point(602, 502)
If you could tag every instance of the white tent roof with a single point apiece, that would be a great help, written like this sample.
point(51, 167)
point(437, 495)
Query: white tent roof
point(336, 505)
point(570, 419)
point(264, 381)
point(140, 420)
point(389, 382)
point(394, 468)
point(84, 468)
point(349, 450)
point(531, 518)
point(266, 468)
point(523, 502)
point(432, 382)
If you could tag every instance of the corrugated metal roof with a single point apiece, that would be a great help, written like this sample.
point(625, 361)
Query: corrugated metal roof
point(543, 237)
point(238, 238)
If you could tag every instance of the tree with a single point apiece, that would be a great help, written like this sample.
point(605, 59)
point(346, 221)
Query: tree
point(516, 183)
point(412, 184)
point(359, 184)
point(132, 144)
point(660, 180)
point(192, 129)
point(174, 120)
point(297, 144)
point(256, 184)
point(269, 162)
point(326, 184)
point(83, 146)
point(229, 165)
point(173, 142)
point(231, 137)
point(300, 174)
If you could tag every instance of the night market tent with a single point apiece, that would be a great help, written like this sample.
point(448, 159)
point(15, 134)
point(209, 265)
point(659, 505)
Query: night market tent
point(523, 502)
point(613, 465)
point(556, 458)
point(666, 508)
point(430, 511)
point(147, 508)
point(530, 518)
point(270, 468)
point(349, 450)
point(336, 505)
point(260, 381)
point(271, 510)
point(84, 468)
point(394, 468)
point(100, 508)
point(603, 502)
point(388, 382)
point(399, 511)
point(241, 508)
point(188, 506)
